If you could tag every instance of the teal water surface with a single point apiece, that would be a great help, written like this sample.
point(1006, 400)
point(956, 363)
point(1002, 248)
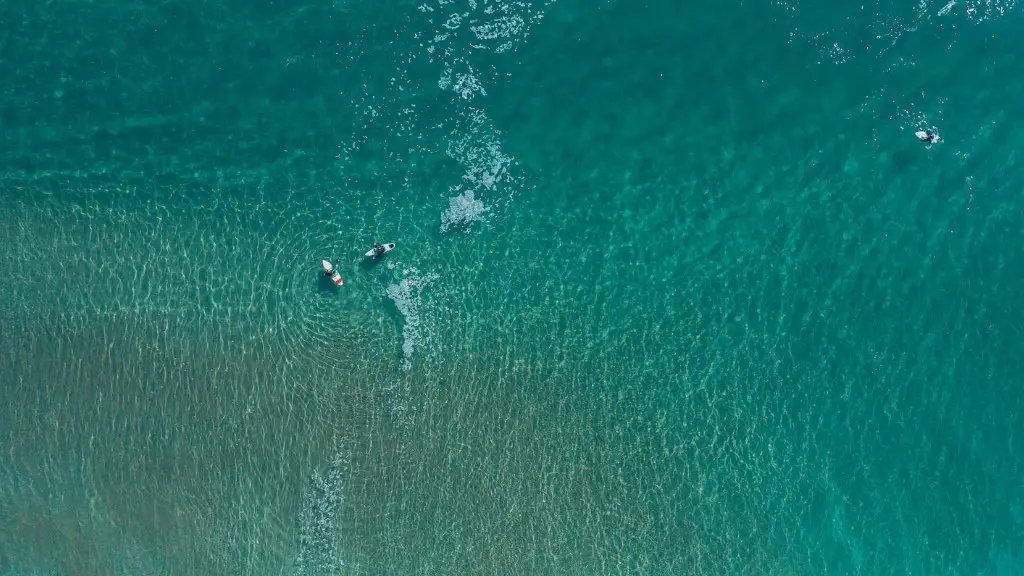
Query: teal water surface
point(676, 290)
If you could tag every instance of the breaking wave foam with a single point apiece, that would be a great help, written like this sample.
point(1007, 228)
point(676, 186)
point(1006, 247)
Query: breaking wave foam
point(407, 295)
point(463, 210)
point(465, 28)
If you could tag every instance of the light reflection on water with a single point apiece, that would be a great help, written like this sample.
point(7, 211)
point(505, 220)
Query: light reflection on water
point(657, 356)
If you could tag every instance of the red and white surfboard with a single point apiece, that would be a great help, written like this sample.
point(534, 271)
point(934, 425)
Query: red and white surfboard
point(329, 269)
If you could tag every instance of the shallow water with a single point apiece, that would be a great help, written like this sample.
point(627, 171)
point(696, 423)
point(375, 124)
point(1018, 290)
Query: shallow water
point(676, 291)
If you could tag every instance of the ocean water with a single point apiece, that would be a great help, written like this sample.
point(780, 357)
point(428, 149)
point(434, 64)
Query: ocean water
point(676, 289)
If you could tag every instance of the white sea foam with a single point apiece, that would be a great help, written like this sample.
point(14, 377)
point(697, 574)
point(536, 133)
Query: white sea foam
point(498, 26)
point(407, 296)
point(981, 10)
point(463, 210)
point(501, 28)
point(318, 521)
point(466, 83)
point(465, 28)
point(477, 146)
point(888, 23)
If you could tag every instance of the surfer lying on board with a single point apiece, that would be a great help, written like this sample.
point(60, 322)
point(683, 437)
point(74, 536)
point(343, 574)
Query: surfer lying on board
point(379, 249)
point(929, 135)
point(331, 273)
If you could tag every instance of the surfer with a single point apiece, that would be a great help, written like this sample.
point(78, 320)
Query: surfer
point(379, 249)
point(331, 273)
point(929, 135)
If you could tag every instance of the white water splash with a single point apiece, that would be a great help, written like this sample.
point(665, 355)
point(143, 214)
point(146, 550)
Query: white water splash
point(407, 296)
point(463, 210)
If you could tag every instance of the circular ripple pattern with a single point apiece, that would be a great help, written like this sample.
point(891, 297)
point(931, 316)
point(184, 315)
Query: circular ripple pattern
point(249, 269)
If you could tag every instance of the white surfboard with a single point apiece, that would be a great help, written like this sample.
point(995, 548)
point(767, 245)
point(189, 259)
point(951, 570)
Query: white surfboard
point(387, 248)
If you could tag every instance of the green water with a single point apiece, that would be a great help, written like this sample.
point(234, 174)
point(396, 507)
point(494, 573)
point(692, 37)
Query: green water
point(676, 289)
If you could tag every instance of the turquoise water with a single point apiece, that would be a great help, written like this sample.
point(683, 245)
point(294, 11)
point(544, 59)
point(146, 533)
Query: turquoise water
point(676, 289)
